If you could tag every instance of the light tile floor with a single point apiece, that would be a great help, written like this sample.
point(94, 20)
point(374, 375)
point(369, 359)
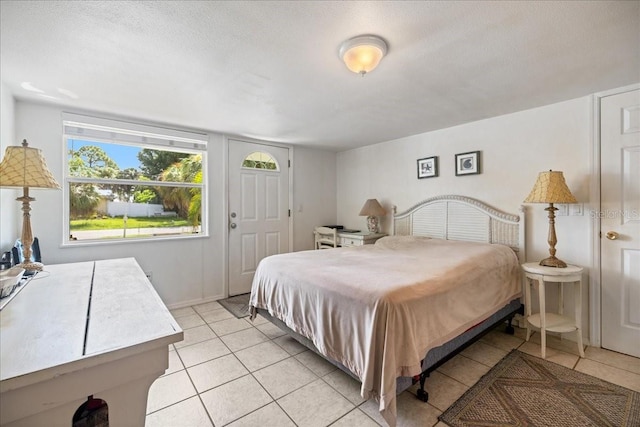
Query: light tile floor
point(234, 372)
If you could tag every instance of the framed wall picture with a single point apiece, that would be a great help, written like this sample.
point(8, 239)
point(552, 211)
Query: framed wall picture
point(468, 163)
point(428, 167)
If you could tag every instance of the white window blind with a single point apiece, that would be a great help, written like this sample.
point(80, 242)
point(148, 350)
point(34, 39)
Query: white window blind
point(114, 131)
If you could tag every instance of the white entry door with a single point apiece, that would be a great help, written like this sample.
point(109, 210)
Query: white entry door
point(620, 222)
point(258, 209)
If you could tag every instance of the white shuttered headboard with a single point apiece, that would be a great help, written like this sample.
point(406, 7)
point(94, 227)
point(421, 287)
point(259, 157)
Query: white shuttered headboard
point(462, 218)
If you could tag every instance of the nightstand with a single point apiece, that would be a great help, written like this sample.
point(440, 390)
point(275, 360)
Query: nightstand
point(553, 322)
point(358, 239)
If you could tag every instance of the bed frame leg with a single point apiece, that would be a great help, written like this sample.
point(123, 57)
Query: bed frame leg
point(510, 329)
point(421, 393)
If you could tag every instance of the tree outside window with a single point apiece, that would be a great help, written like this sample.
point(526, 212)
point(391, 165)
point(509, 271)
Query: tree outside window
point(131, 191)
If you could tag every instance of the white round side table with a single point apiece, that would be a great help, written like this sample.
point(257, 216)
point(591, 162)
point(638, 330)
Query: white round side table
point(553, 322)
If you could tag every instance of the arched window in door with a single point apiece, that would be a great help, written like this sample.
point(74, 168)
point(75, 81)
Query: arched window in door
point(260, 160)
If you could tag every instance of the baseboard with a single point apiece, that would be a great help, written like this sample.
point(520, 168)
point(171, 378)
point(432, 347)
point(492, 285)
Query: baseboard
point(194, 302)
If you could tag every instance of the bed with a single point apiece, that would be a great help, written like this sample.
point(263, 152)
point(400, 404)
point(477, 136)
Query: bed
point(392, 312)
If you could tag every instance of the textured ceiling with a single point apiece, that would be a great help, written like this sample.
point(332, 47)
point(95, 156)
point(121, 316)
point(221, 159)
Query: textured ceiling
point(270, 70)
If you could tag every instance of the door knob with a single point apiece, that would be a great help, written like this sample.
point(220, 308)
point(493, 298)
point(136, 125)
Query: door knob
point(612, 235)
point(233, 225)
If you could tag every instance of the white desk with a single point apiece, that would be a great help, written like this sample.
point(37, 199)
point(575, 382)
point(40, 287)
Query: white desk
point(554, 322)
point(90, 328)
point(358, 239)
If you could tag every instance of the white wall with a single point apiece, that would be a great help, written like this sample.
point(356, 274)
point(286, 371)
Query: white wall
point(514, 149)
point(314, 181)
point(184, 271)
point(8, 212)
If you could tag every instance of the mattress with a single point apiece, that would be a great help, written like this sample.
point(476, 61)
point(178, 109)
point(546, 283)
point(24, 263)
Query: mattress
point(378, 309)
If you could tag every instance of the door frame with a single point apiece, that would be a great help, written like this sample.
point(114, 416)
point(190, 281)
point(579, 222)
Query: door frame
point(225, 209)
point(595, 273)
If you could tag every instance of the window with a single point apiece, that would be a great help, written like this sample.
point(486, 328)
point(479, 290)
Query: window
point(260, 160)
point(126, 181)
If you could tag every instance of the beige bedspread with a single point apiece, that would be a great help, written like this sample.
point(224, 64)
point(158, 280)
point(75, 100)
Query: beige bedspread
point(377, 309)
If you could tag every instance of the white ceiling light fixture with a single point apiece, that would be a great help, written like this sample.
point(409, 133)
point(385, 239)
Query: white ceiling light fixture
point(362, 54)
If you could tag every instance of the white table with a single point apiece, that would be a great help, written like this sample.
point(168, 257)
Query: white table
point(553, 322)
point(83, 329)
point(358, 239)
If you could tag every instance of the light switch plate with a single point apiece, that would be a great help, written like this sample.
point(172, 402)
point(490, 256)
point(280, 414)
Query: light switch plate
point(576, 209)
point(563, 209)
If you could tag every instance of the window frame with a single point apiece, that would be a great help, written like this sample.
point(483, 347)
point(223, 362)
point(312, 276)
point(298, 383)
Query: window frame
point(143, 137)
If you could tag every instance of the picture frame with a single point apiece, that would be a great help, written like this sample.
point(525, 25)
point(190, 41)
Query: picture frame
point(428, 167)
point(468, 163)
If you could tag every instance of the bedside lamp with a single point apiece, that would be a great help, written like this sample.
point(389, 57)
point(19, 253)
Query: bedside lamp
point(551, 188)
point(372, 210)
point(25, 167)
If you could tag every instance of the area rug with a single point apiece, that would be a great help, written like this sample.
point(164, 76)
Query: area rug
point(523, 390)
point(237, 305)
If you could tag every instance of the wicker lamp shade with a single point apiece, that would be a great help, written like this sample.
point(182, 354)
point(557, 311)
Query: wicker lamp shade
point(550, 187)
point(25, 167)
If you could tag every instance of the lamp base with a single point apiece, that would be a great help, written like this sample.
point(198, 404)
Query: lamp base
point(31, 266)
point(553, 262)
point(372, 224)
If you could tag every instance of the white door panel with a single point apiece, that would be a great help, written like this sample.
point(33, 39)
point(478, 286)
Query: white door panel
point(258, 212)
point(620, 222)
point(273, 198)
point(249, 195)
point(272, 243)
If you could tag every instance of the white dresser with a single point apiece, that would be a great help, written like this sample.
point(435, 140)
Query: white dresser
point(83, 329)
point(358, 239)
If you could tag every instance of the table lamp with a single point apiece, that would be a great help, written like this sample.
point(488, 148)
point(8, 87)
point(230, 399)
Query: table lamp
point(25, 167)
point(372, 210)
point(551, 188)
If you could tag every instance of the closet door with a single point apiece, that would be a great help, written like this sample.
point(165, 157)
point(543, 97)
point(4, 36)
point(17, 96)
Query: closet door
point(620, 222)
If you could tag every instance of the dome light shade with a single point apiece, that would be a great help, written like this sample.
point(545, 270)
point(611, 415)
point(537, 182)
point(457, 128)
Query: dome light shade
point(362, 54)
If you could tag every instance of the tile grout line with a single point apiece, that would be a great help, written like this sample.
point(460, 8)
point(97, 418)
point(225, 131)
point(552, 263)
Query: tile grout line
point(184, 367)
point(206, 410)
point(248, 373)
point(322, 378)
point(273, 400)
point(318, 377)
